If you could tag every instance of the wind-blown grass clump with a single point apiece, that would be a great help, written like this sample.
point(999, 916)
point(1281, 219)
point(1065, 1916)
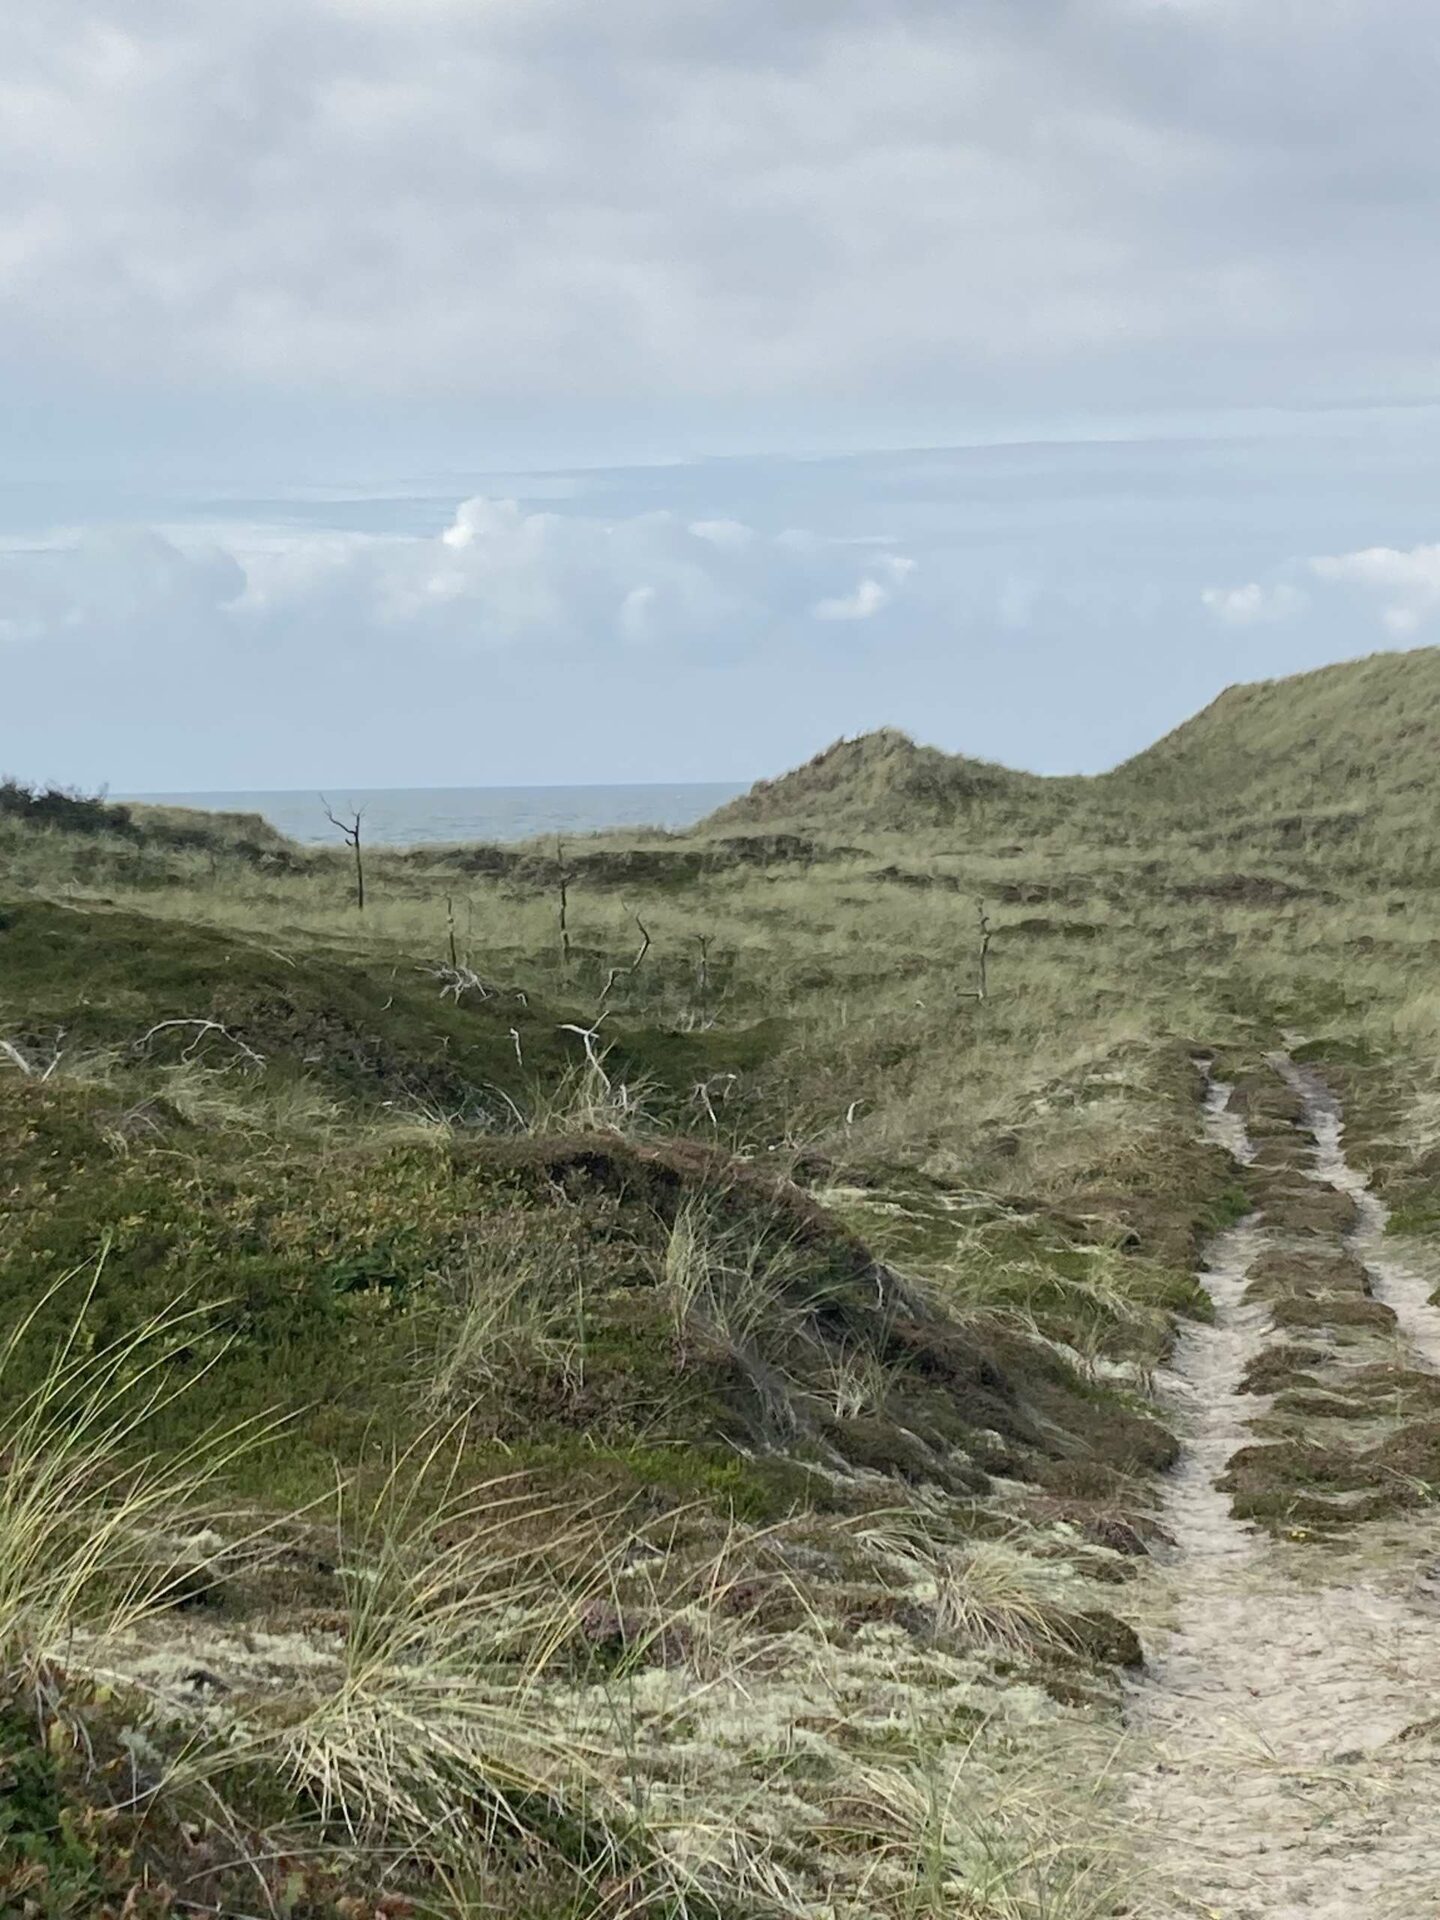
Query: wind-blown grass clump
point(92, 1525)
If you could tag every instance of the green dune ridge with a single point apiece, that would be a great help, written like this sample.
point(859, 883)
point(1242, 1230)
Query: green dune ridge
point(1359, 735)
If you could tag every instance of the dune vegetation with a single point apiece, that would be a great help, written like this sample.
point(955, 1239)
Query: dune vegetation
point(621, 1378)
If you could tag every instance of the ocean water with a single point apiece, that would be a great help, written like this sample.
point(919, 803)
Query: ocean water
point(416, 816)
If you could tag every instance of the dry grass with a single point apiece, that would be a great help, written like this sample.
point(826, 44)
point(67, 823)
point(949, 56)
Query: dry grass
point(517, 1302)
point(434, 1720)
point(93, 1528)
point(993, 1849)
point(474, 1710)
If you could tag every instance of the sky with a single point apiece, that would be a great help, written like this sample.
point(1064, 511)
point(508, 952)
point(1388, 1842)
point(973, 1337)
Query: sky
point(409, 392)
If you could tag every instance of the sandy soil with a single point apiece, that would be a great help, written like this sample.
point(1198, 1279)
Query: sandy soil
point(1277, 1777)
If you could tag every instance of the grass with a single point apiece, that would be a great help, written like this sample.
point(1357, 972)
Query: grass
point(514, 1303)
point(701, 1439)
point(88, 1524)
point(432, 1721)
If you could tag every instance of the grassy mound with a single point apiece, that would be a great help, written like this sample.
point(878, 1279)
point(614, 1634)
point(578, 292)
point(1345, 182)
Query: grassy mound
point(111, 992)
point(1336, 740)
point(880, 780)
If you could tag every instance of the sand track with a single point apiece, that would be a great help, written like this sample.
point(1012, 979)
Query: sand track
point(1276, 1782)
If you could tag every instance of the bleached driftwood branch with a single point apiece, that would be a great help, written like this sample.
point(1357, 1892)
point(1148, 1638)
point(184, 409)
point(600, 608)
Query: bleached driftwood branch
point(589, 1035)
point(701, 1094)
point(32, 1068)
point(202, 1027)
point(458, 979)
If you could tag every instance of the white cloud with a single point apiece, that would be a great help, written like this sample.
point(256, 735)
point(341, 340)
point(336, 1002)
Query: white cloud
point(497, 576)
point(1255, 605)
point(719, 199)
point(131, 582)
point(1406, 582)
point(1399, 585)
point(867, 599)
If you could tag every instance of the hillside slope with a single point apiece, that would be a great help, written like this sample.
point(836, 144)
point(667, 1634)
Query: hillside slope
point(1363, 735)
point(880, 779)
point(1355, 734)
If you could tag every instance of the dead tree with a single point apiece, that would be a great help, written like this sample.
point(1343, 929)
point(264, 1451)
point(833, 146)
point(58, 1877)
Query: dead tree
point(351, 830)
point(563, 879)
point(982, 957)
point(702, 976)
point(618, 973)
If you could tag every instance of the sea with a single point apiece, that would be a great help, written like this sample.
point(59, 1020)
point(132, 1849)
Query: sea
point(420, 816)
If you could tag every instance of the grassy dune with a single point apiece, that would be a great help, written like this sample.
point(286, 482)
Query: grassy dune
point(660, 1420)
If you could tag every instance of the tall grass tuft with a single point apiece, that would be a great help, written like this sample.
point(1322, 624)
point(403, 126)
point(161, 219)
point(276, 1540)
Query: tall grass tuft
point(516, 1303)
point(92, 1524)
point(433, 1733)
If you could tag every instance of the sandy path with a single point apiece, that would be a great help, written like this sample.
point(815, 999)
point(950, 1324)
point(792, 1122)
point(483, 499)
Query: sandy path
point(1401, 1289)
point(1273, 1784)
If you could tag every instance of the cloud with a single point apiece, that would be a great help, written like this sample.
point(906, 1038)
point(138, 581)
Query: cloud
point(1255, 605)
point(718, 201)
point(132, 583)
point(497, 576)
point(1398, 585)
point(1406, 582)
point(870, 595)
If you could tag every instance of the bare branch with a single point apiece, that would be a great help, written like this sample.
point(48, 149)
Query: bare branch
point(32, 1068)
point(702, 941)
point(564, 878)
point(701, 1094)
point(980, 989)
point(351, 830)
point(458, 979)
point(589, 1035)
point(202, 1027)
point(618, 973)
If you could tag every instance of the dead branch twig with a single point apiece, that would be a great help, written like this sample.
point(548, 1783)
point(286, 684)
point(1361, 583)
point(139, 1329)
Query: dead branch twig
point(564, 877)
point(700, 1093)
point(619, 973)
point(458, 979)
point(589, 1036)
point(351, 830)
point(702, 941)
point(32, 1068)
point(202, 1027)
point(981, 987)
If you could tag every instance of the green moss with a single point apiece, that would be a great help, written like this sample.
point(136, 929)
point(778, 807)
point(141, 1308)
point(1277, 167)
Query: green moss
point(49, 1853)
point(1417, 1215)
